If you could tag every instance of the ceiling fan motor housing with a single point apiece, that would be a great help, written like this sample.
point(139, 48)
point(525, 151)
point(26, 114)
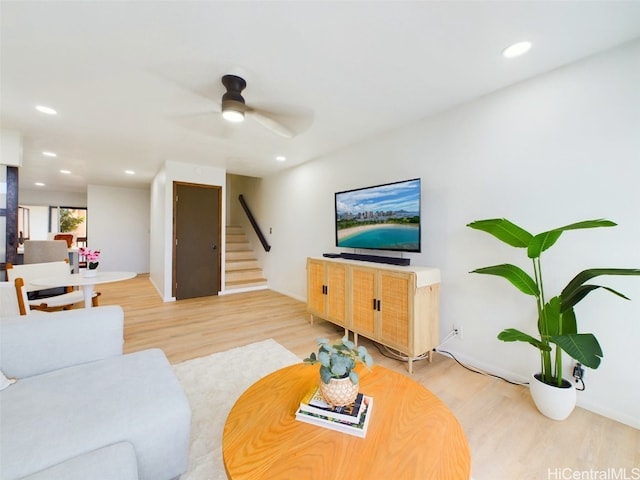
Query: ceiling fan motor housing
point(232, 99)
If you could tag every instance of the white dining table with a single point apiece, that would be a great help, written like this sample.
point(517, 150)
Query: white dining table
point(84, 281)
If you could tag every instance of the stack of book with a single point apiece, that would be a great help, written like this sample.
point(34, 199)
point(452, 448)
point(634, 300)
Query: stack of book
point(352, 419)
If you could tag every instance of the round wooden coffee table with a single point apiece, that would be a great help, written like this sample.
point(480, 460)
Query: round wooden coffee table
point(411, 434)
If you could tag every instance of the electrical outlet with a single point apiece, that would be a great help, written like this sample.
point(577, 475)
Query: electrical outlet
point(458, 331)
point(578, 371)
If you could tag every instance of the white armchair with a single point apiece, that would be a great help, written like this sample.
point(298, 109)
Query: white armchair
point(29, 272)
point(13, 299)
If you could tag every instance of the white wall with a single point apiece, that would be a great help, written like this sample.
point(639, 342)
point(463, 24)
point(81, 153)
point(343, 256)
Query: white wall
point(118, 223)
point(159, 232)
point(43, 197)
point(39, 200)
point(560, 148)
point(161, 248)
point(10, 148)
point(119, 227)
point(38, 222)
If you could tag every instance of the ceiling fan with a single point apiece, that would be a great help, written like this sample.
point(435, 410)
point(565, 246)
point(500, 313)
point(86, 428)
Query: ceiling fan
point(234, 108)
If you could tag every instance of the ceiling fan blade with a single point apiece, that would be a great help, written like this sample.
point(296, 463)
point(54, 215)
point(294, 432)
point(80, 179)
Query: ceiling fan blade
point(284, 120)
point(270, 123)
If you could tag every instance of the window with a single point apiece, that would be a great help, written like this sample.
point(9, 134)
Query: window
point(68, 220)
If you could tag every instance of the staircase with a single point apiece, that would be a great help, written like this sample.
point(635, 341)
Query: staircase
point(242, 272)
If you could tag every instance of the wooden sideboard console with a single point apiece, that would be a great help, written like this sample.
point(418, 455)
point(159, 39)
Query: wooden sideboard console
point(396, 306)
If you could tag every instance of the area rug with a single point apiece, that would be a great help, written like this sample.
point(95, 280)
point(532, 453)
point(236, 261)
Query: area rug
point(212, 385)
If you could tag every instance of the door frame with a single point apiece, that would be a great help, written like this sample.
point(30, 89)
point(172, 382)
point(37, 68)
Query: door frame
point(10, 213)
point(174, 262)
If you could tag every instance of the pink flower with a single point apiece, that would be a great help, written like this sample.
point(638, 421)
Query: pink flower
point(92, 256)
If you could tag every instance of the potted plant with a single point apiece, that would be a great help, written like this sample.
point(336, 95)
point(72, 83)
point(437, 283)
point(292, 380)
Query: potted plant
point(93, 260)
point(338, 379)
point(557, 326)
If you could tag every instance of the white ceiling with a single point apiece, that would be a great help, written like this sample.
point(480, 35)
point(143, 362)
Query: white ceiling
point(138, 83)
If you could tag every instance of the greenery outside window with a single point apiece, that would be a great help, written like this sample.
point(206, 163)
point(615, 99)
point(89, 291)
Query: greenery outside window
point(68, 220)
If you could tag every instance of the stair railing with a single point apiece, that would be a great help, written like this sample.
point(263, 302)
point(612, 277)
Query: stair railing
point(254, 224)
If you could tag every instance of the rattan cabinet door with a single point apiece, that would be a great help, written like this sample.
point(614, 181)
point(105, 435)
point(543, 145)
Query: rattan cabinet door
point(363, 301)
point(326, 290)
point(315, 287)
point(395, 291)
point(336, 293)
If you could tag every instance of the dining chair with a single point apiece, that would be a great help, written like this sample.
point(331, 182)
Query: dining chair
point(82, 260)
point(67, 237)
point(40, 251)
point(21, 296)
point(29, 272)
point(9, 305)
point(13, 299)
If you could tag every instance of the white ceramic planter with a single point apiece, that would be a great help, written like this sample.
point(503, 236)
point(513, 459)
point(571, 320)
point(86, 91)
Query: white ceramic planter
point(553, 402)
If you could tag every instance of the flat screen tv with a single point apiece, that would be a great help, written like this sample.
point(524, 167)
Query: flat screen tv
point(380, 217)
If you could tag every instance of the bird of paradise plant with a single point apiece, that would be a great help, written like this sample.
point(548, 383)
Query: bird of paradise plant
point(556, 317)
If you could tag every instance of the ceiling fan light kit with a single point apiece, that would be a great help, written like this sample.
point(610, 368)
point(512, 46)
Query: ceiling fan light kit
point(232, 111)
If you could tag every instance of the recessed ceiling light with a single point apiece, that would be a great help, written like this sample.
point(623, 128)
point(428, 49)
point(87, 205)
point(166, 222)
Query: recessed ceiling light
point(281, 158)
point(517, 49)
point(45, 109)
point(39, 184)
point(66, 172)
point(129, 172)
point(49, 154)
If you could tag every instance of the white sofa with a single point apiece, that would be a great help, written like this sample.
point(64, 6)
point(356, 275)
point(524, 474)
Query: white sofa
point(80, 409)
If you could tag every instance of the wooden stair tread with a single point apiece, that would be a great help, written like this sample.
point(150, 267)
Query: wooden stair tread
point(242, 269)
point(245, 283)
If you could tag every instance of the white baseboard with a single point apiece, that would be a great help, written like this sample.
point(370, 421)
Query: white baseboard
point(609, 413)
point(581, 402)
point(485, 367)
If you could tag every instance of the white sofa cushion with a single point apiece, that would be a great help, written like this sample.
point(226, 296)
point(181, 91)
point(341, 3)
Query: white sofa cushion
point(35, 344)
point(49, 418)
point(114, 462)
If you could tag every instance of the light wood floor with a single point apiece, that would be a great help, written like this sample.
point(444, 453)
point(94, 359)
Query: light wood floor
point(509, 439)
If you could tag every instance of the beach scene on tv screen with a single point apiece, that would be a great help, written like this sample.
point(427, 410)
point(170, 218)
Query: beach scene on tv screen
point(385, 217)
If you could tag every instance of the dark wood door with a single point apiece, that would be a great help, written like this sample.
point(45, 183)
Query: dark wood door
point(196, 240)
